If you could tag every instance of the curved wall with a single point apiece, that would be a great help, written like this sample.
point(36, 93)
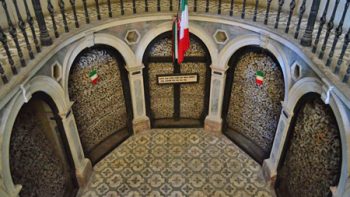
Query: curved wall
point(252, 111)
point(176, 104)
point(38, 155)
point(101, 110)
point(311, 163)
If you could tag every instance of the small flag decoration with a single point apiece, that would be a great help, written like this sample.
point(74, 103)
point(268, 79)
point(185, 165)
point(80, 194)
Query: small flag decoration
point(259, 79)
point(184, 33)
point(93, 77)
point(181, 33)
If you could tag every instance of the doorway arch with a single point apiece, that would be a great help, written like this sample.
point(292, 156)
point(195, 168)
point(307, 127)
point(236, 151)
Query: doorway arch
point(38, 139)
point(176, 105)
point(312, 151)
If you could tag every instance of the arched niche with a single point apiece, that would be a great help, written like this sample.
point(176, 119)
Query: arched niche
point(251, 111)
point(195, 29)
point(39, 155)
point(176, 105)
point(50, 87)
point(264, 41)
point(91, 40)
point(99, 88)
point(312, 160)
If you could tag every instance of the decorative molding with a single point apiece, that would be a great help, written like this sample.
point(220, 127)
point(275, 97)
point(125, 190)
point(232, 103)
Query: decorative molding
point(297, 71)
point(54, 90)
point(221, 69)
point(7, 93)
point(299, 89)
point(251, 39)
point(132, 69)
point(26, 92)
point(220, 36)
point(89, 38)
point(328, 95)
point(264, 40)
point(132, 37)
point(55, 66)
point(99, 38)
point(167, 26)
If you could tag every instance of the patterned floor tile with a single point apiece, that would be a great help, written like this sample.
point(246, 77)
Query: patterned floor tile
point(180, 162)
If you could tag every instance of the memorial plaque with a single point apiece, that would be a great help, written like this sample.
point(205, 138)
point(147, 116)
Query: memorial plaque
point(177, 79)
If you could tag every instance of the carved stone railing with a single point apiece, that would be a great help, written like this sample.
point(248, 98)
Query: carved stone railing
point(326, 37)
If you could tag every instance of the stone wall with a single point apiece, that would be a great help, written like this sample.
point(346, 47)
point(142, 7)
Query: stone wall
point(254, 110)
point(99, 109)
point(163, 48)
point(191, 95)
point(162, 96)
point(34, 161)
point(313, 158)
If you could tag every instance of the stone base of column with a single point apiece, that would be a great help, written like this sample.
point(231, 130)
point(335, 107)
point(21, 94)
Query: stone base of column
point(14, 193)
point(141, 125)
point(269, 172)
point(2, 193)
point(84, 172)
point(214, 126)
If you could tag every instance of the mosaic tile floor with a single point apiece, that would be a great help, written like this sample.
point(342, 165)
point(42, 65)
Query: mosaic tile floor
point(177, 162)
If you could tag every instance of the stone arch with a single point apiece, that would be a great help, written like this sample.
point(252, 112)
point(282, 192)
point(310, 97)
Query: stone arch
point(165, 27)
point(38, 84)
point(255, 40)
point(181, 104)
point(313, 85)
point(91, 40)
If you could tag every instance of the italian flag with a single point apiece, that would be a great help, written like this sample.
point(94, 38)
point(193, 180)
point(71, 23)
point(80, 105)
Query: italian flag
point(175, 40)
point(93, 77)
point(259, 79)
point(184, 33)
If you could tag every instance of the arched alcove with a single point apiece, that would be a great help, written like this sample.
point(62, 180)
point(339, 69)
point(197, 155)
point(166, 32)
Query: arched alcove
point(176, 104)
point(251, 110)
point(312, 155)
point(98, 85)
point(40, 158)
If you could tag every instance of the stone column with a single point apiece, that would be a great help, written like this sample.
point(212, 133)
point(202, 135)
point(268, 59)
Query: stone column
point(140, 122)
point(83, 166)
point(2, 192)
point(347, 190)
point(213, 122)
point(270, 165)
point(9, 192)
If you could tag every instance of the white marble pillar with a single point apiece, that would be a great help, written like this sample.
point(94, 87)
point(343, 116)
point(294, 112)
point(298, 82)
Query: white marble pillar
point(2, 192)
point(213, 122)
point(140, 121)
point(12, 191)
point(83, 167)
point(270, 165)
